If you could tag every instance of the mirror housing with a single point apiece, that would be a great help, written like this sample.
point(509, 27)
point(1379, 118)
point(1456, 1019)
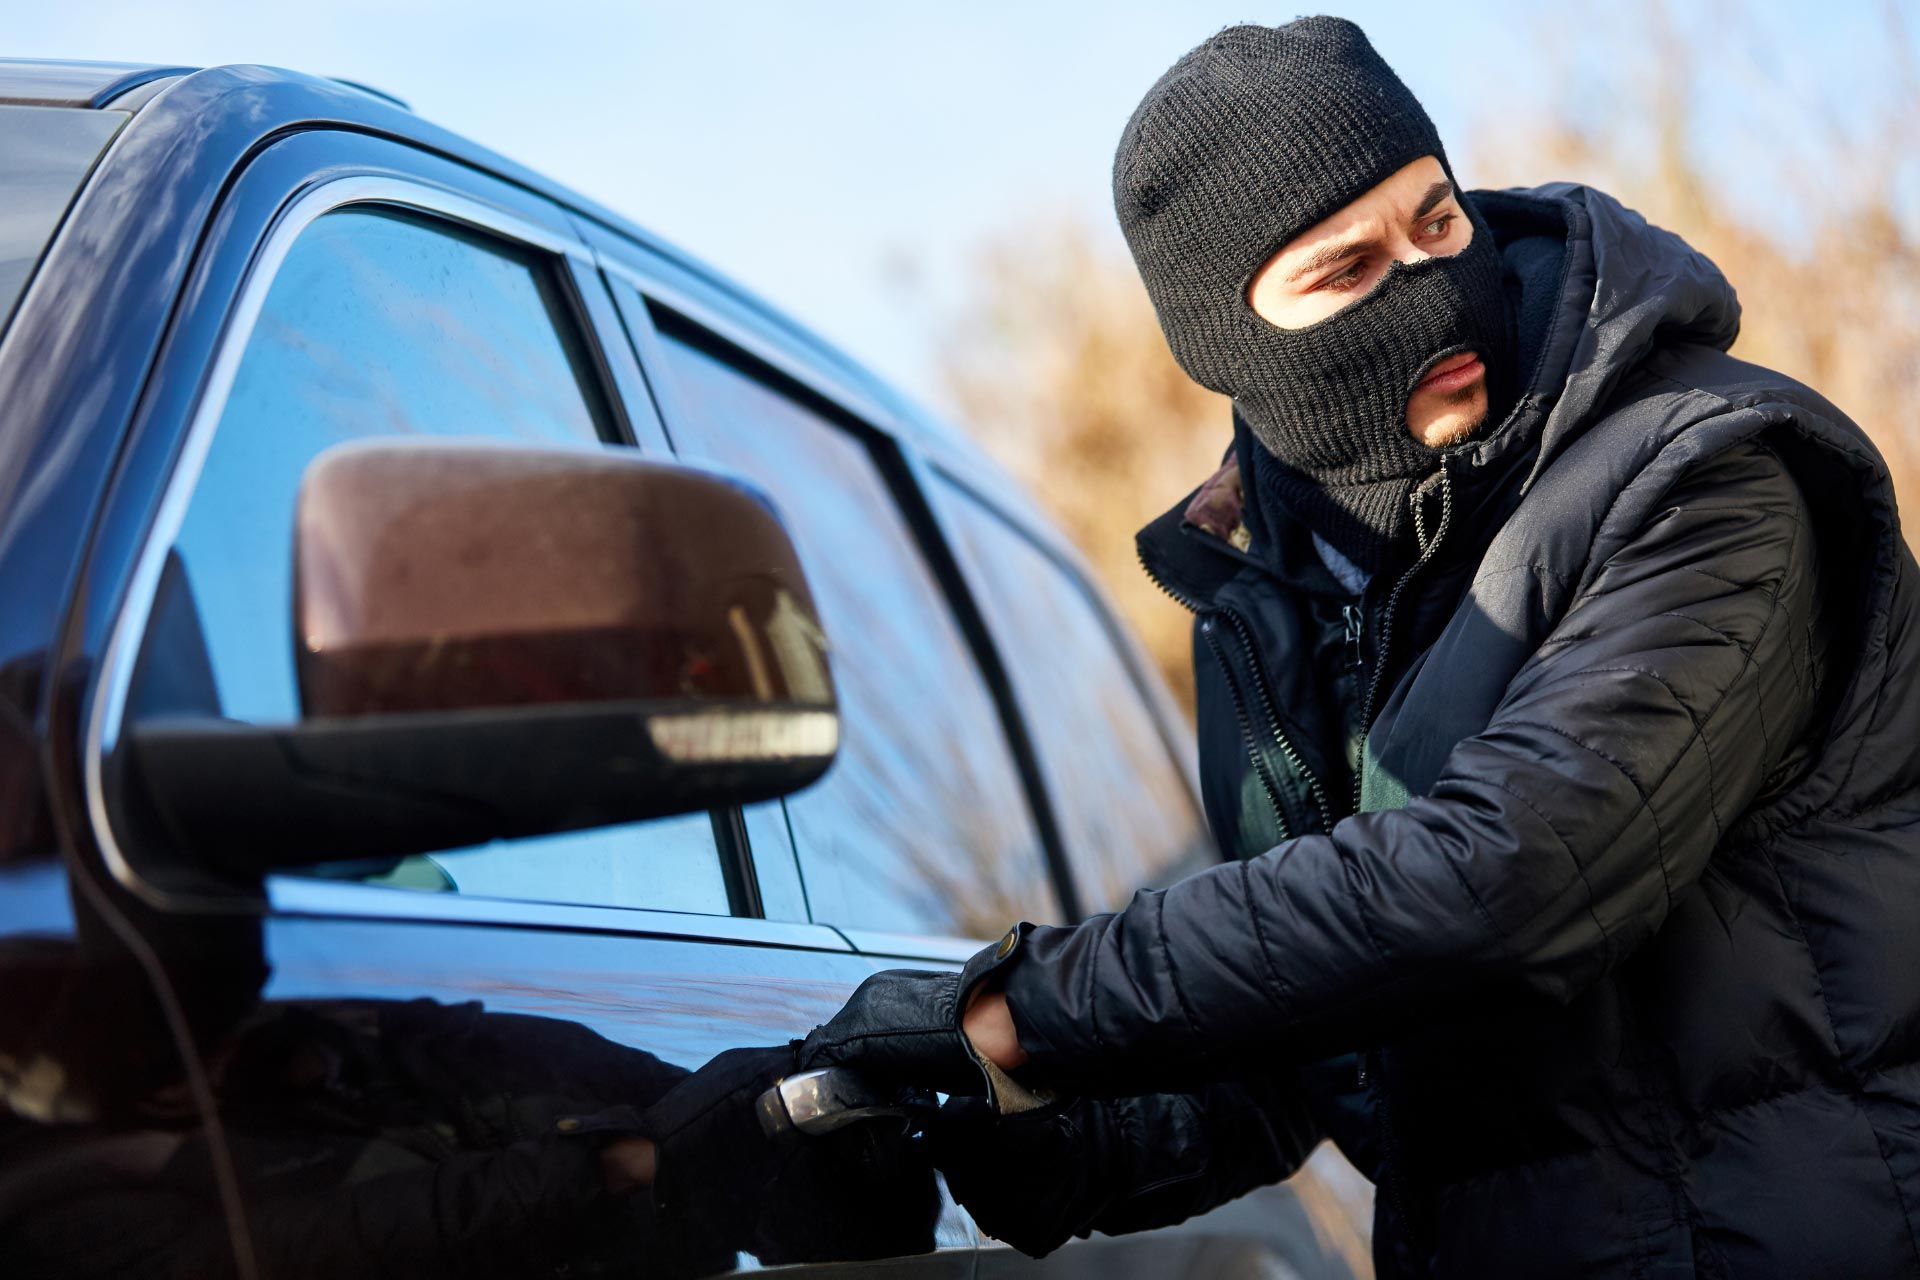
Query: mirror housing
point(495, 642)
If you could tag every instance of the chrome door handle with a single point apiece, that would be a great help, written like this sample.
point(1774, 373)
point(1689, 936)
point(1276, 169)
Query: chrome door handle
point(830, 1098)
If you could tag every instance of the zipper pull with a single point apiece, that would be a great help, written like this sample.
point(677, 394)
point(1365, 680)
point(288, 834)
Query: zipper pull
point(1355, 620)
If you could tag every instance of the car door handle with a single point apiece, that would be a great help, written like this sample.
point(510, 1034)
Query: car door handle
point(830, 1098)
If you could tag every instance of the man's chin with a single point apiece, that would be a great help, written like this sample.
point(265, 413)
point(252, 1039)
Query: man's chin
point(1455, 423)
point(1452, 430)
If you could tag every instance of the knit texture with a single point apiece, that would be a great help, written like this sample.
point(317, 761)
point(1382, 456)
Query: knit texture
point(1247, 141)
point(1329, 401)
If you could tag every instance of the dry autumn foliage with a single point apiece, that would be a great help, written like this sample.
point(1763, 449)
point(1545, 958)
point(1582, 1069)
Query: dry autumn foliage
point(1056, 362)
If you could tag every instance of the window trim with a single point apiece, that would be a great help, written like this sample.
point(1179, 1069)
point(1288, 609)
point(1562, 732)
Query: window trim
point(1170, 724)
point(621, 378)
point(109, 689)
point(949, 493)
point(653, 291)
point(302, 897)
point(911, 946)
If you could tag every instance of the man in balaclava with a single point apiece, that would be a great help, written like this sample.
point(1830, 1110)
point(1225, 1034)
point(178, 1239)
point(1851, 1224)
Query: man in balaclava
point(1556, 725)
point(1204, 205)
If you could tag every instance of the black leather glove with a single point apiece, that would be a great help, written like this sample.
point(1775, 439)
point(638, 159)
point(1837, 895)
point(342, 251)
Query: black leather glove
point(865, 1191)
point(1038, 1179)
point(1033, 1180)
point(902, 1027)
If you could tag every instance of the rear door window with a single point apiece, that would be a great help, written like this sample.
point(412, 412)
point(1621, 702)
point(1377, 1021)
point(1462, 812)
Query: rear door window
point(922, 824)
point(1126, 813)
point(383, 324)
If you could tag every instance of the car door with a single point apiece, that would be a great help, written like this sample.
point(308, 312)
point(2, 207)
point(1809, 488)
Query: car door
point(353, 288)
point(927, 834)
point(1003, 754)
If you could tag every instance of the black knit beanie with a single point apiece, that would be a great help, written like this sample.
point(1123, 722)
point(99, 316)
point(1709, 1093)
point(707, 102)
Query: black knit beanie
point(1247, 141)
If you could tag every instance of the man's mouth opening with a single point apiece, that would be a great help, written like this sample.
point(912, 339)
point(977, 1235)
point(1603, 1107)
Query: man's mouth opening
point(1454, 377)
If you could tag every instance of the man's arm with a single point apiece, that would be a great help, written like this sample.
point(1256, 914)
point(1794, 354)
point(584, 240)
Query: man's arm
point(1551, 846)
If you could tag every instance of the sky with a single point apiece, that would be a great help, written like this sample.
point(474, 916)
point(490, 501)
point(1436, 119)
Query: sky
point(843, 159)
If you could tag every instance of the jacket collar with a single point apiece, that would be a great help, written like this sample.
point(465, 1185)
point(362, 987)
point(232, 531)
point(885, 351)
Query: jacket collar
point(1214, 535)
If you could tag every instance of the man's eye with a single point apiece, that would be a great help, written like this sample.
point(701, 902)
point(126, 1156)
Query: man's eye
point(1438, 227)
point(1344, 280)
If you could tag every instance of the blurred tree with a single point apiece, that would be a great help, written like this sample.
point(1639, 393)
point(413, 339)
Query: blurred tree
point(1803, 193)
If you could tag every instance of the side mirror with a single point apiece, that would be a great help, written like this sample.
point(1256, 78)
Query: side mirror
point(497, 642)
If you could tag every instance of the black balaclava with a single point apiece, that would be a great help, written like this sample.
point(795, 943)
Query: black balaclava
point(1247, 141)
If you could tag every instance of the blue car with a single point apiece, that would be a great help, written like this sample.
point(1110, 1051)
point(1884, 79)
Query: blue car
point(463, 662)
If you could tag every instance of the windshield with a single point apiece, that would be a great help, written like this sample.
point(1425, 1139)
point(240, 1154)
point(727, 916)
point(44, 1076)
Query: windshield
point(45, 153)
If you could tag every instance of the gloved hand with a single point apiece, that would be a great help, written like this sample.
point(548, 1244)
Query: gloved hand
point(1033, 1180)
point(865, 1191)
point(902, 1027)
point(1038, 1179)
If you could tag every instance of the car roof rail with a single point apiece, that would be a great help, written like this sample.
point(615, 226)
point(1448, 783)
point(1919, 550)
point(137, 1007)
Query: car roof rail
point(66, 82)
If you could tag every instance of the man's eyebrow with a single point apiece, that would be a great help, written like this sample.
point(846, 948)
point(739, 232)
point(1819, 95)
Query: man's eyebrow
point(1327, 255)
point(1435, 194)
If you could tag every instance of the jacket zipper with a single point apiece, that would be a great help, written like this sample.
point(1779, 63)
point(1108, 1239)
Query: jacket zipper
point(1260, 769)
point(1372, 1061)
point(1287, 749)
point(1291, 754)
point(1385, 631)
point(1391, 1182)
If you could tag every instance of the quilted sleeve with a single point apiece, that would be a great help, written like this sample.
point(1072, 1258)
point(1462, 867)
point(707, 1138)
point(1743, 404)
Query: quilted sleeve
point(1552, 844)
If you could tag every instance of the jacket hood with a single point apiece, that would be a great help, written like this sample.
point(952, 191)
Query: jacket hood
point(1625, 286)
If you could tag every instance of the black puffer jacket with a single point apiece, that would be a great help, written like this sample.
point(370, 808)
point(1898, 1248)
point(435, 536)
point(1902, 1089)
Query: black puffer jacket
point(1623, 930)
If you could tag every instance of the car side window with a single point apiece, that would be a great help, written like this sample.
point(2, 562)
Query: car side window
point(382, 323)
point(922, 824)
point(1126, 814)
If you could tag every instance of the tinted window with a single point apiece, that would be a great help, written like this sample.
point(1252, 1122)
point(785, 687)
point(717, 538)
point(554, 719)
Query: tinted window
point(1125, 812)
point(922, 824)
point(381, 324)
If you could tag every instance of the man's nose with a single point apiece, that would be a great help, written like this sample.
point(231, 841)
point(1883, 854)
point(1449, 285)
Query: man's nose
point(1410, 253)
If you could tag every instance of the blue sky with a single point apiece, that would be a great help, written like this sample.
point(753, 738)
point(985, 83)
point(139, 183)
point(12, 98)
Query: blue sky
point(809, 149)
